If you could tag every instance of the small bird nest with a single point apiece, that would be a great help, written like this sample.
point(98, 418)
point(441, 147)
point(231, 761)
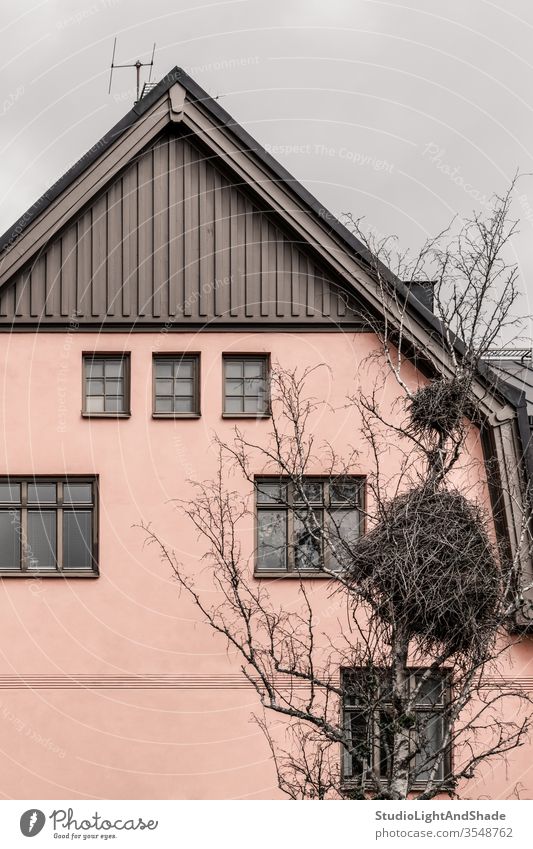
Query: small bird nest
point(429, 565)
point(438, 407)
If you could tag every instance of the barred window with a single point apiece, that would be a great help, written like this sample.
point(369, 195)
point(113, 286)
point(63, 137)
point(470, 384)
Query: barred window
point(306, 527)
point(367, 721)
point(48, 526)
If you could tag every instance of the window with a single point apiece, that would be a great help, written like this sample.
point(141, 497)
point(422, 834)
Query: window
point(106, 390)
point(176, 385)
point(48, 526)
point(308, 527)
point(367, 718)
point(246, 386)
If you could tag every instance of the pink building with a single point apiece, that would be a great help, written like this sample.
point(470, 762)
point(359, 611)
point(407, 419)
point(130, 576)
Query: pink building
point(174, 260)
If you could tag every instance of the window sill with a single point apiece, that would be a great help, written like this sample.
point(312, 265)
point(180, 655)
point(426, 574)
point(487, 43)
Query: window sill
point(246, 415)
point(321, 576)
point(347, 785)
point(105, 415)
point(176, 415)
point(64, 573)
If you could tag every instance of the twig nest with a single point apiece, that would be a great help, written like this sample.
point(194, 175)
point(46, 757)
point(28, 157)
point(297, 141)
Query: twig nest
point(438, 407)
point(430, 566)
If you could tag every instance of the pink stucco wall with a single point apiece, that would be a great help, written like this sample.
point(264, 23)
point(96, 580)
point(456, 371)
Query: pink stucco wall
point(159, 743)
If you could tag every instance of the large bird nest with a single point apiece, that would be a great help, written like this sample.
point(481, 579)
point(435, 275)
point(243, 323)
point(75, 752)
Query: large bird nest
point(430, 566)
point(438, 407)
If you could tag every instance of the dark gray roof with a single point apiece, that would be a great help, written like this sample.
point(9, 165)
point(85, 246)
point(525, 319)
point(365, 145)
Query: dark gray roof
point(512, 376)
point(515, 368)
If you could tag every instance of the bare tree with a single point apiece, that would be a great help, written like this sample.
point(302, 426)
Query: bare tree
point(475, 294)
point(407, 698)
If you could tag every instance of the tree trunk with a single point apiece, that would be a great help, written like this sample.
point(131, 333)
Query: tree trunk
point(399, 780)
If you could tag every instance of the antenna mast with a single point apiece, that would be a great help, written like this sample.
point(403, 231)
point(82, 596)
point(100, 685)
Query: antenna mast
point(137, 65)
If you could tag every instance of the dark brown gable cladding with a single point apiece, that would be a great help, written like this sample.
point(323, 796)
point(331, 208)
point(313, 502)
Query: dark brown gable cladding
point(173, 239)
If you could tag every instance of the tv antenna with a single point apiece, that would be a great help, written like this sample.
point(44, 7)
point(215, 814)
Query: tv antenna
point(137, 65)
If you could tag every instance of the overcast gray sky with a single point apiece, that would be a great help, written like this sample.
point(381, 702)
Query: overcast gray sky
point(405, 113)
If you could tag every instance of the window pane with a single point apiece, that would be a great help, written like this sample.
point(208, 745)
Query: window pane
point(312, 492)
point(77, 493)
point(9, 539)
point(77, 539)
point(183, 387)
point(307, 542)
point(114, 404)
point(41, 493)
point(41, 545)
point(113, 368)
point(164, 405)
point(429, 738)
point(344, 490)
point(272, 540)
point(10, 493)
point(254, 386)
point(233, 405)
point(183, 405)
point(254, 368)
point(386, 743)
point(164, 387)
point(363, 686)
point(114, 387)
point(164, 368)
point(271, 492)
point(431, 691)
point(95, 405)
point(254, 405)
point(234, 368)
point(94, 368)
point(234, 387)
point(385, 686)
point(344, 526)
point(95, 387)
point(184, 368)
point(359, 733)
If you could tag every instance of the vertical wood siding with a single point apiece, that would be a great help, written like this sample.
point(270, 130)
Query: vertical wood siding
point(173, 239)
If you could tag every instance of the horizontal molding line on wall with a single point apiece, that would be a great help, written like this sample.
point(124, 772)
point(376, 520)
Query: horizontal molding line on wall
point(136, 682)
point(186, 682)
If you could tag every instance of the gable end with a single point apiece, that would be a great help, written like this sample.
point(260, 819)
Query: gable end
point(173, 239)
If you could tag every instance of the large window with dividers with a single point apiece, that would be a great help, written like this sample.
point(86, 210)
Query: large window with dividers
point(48, 526)
point(307, 528)
point(368, 720)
